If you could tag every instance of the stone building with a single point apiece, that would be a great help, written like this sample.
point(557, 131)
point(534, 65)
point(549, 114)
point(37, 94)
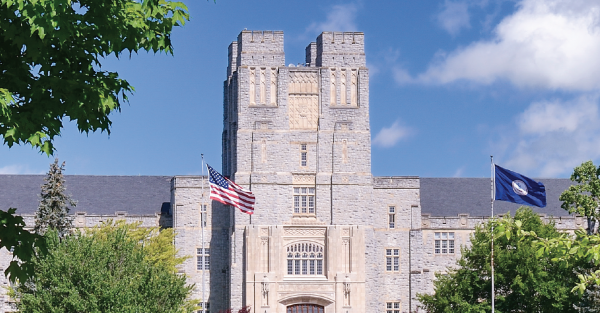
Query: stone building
point(326, 236)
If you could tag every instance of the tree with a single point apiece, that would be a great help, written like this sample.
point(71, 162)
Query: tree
point(567, 250)
point(50, 69)
point(524, 281)
point(104, 269)
point(53, 211)
point(50, 61)
point(13, 235)
point(584, 198)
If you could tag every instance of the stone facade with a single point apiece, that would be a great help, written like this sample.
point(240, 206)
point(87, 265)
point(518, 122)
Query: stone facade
point(299, 138)
point(325, 232)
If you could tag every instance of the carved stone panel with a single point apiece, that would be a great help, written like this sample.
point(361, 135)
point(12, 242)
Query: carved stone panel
point(305, 232)
point(304, 111)
point(303, 83)
point(303, 179)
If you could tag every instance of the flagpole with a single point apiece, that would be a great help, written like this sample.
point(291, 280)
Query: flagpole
point(492, 219)
point(202, 217)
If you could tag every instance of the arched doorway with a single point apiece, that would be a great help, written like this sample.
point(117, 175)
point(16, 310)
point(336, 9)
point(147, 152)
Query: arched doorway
point(305, 308)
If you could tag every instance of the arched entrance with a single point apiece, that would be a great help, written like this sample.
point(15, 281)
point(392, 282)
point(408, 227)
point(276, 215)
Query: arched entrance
point(305, 308)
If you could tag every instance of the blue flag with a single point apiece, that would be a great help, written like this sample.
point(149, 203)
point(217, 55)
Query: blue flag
point(516, 188)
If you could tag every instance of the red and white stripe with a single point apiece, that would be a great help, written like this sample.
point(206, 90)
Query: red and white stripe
point(236, 196)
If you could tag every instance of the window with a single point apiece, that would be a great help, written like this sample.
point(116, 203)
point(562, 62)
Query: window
point(205, 306)
point(303, 154)
point(392, 217)
point(305, 308)
point(202, 259)
point(444, 243)
point(305, 259)
point(304, 200)
point(392, 260)
point(203, 216)
point(392, 307)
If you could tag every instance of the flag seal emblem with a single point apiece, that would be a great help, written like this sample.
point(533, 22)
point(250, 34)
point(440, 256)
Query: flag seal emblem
point(519, 187)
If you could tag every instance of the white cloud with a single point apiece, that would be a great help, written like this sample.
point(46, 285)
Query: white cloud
point(550, 138)
point(550, 44)
point(401, 76)
point(454, 17)
point(341, 18)
point(389, 136)
point(17, 169)
point(459, 172)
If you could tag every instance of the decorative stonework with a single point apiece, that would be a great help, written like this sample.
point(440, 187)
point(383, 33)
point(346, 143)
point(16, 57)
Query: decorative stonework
point(344, 151)
point(304, 232)
point(464, 220)
point(273, 95)
point(346, 232)
point(425, 222)
point(264, 232)
point(252, 88)
point(303, 83)
point(333, 88)
point(304, 111)
point(303, 179)
point(263, 87)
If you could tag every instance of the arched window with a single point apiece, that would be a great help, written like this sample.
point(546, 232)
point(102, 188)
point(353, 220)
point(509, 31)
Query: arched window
point(305, 308)
point(305, 258)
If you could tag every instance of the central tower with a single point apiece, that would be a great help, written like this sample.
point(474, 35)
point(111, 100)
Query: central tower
point(299, 138)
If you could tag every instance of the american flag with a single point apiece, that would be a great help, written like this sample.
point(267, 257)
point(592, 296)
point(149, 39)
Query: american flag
point(227, 192)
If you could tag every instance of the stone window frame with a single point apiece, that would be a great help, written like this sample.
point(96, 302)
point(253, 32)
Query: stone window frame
point(202, 259)
point(305, 259)
point(303, 155)
point(392, 306)
point(392, 259)
point(304, 200)
point(444, 243)
point(392, 216)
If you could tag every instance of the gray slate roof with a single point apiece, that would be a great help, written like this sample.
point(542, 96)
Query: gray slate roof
point(137, 195)
point(453, 196)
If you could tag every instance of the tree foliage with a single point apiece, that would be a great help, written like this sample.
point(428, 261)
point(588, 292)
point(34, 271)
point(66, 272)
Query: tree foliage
point(584, 198)
point(13, 235)
point(53, 211)
point(157, 243)
point(50, 61)
point(105, 269)
point(524, 280)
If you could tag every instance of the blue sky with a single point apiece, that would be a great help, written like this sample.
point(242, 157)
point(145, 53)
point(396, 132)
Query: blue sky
point(451, 83)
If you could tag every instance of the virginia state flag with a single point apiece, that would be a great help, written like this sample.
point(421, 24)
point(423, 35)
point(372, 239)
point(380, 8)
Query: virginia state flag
point(516, 188)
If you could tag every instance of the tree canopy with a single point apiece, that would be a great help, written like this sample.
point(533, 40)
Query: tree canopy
point(50, 61)
point(525, 281)
point(106, 269)
point(584, 198)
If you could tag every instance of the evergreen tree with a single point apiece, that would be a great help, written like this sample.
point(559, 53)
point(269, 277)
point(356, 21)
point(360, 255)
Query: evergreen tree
point(53, 212)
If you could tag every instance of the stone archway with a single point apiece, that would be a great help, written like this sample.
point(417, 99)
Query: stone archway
point(305, 308)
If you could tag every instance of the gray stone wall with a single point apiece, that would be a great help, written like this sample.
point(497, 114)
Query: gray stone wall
point(190, 193)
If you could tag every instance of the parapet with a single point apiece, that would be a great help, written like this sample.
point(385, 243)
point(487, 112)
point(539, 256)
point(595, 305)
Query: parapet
point(232, 53)
point(396, 182)
point(311, 54)
point(341, 49)
point(260, 48)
